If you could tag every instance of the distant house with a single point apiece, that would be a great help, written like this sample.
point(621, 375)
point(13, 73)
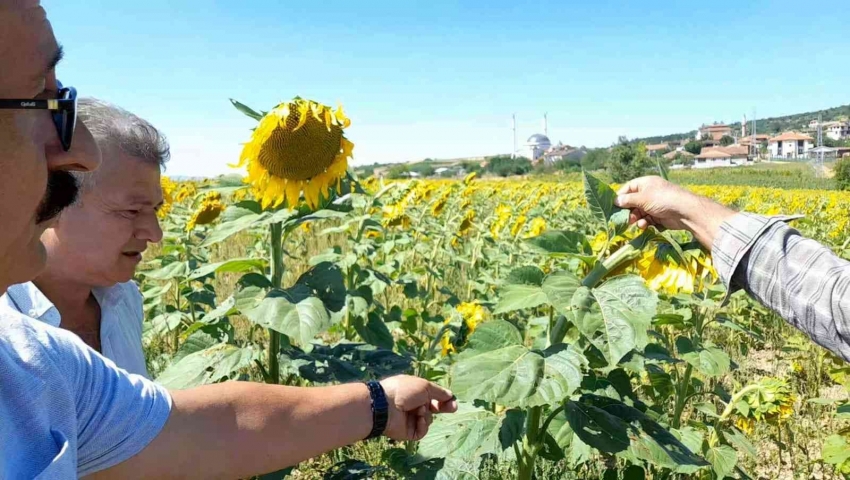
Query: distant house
point(655, 148)
point(559, 152)
point(837, 130)
point(790, 145)
point(731, 156)
point(678, 154)
point(714, 132)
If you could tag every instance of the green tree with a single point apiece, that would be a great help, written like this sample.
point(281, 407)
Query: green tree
point(694, 146)
point(398, 171)
point(595, 159)
point(842, 173)
point(629, 161)
point(726, 140)
point(504, 165)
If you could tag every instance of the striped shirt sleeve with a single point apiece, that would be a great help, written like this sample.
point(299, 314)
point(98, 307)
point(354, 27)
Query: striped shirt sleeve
point(800, 279)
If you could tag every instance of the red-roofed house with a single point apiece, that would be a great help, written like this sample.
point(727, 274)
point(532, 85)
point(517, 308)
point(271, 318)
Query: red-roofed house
point(790, 145)
point(730, 156)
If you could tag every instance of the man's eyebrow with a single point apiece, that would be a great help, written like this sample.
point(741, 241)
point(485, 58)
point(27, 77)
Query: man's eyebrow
point(56, 58)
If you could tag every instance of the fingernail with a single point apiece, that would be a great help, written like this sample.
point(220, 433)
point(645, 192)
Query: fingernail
point(454, 397)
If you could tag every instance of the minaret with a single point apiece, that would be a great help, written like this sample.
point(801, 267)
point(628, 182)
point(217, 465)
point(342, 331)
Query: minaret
point(744, 127)
point(546, 124)
point(513, 152)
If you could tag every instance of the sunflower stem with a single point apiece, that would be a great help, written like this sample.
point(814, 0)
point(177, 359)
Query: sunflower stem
point(277, 278)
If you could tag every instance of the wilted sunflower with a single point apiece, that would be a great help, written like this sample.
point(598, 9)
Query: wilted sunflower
point(440, 204)
point(211, 207)
point(466, 223)
point(297, 147)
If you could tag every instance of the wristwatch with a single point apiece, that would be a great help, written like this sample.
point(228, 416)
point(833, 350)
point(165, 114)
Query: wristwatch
point(380, 409)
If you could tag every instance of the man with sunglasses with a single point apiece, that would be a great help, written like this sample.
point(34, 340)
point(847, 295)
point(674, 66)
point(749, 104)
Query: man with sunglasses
point(66, 411)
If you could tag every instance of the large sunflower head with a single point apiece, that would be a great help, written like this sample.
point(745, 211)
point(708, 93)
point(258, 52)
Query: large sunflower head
point(663, 273)
point(297, 147)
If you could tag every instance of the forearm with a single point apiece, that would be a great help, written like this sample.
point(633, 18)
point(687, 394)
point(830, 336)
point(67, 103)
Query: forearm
point(239, 429)
point(704, 218)
point(800, 279)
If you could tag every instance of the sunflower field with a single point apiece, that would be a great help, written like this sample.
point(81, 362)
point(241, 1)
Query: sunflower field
point(578, 347)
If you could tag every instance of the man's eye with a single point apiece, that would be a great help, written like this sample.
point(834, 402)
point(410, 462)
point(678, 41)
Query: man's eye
point(131, 213)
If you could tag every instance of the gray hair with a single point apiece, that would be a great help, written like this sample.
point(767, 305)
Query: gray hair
point(115, 127)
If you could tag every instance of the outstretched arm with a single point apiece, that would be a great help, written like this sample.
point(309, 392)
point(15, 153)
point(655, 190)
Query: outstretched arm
point(800, 279)
point(239, 429)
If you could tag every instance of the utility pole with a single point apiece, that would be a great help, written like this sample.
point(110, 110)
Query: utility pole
point(819, 162)
point(513, 152)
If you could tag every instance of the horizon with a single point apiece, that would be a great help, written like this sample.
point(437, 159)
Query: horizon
point(442, 80)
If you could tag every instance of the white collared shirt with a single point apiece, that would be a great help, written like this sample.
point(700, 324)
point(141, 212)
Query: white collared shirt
point(121, 317)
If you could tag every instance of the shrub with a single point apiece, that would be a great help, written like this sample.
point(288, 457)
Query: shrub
point(842, 173)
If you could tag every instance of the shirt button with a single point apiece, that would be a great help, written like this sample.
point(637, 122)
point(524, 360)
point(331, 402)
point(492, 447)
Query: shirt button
point(32, 313)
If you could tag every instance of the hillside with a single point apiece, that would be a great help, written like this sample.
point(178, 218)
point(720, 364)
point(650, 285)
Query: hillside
point(798, 121)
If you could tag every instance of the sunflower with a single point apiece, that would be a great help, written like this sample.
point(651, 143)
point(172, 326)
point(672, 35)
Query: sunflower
point(538, 226)
point(662, 273)
point(440, 204)
point(168, 187)
point(518, 224)
point(395, 216)
point(186, 190)
point(211, 207)
point(472, 314)
point(466, 223)
point(469, 178)
point(297, 147)
point(503, 214)
point(746, 425)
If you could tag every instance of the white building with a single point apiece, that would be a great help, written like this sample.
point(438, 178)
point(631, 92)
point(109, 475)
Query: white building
point(731, 156)
point(836, 130)
point(537, 145)
point(790, 145)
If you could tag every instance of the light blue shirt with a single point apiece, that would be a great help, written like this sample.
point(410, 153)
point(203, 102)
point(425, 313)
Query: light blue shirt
point(66, 411)
point(121, 316)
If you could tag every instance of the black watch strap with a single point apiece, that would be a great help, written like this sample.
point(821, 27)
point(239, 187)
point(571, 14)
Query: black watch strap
point(380, 409)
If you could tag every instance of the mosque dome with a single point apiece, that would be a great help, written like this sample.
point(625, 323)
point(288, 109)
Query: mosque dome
point(539, 139)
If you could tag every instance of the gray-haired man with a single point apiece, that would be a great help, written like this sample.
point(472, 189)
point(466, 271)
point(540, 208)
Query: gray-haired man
point(95, 245)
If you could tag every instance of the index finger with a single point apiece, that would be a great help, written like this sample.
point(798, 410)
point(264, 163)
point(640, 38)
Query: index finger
point(629, 187)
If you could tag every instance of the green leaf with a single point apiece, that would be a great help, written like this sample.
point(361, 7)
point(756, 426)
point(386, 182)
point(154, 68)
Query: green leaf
point(248, 111)
point(466, 434)
point(172, 270)
point(527, 275)
point(345, 362)
point(511, 429)
point(560, 242)
point(374, 331)
point(234, 219)
point(600, 198)
point(300, 321)
point(620, 221)
point(723, 458)
point(690, 436)
point(206, 366)
point(560, 288)
point(326, 282)
point(662, 170)
point(708, 360)
point(194, 343)
point(835, 450)
point(741, 443)
point(235, 265)
point(519, 297)
point(660, 380)
point(496, 367)
point(627, 307)
point(562, 374)
point(598, 428)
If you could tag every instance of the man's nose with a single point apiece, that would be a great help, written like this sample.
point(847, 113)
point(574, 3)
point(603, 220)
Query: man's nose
point(149, 229)
point(84, 154)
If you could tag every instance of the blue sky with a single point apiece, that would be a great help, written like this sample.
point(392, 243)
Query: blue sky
point(441, 79)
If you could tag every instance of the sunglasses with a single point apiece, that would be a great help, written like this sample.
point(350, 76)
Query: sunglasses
point(63, 109)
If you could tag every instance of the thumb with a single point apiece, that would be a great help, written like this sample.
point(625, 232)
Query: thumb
point(630, 200)
point(436, 392)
